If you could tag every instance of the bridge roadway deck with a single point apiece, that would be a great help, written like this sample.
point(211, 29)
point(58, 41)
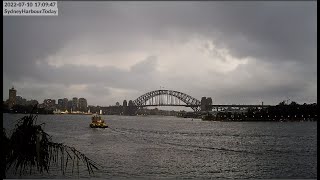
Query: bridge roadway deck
point(215, 105)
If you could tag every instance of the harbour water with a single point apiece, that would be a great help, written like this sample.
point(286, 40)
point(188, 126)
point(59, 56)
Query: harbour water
point(171, 147)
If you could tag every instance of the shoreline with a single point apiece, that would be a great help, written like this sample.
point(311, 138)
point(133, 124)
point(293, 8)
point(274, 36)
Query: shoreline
point(47, 113)
point(213, 120)
point(261, 120)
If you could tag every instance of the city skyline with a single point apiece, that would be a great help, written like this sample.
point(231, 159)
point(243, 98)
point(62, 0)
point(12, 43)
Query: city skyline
point(107, 52)
point(14, 98)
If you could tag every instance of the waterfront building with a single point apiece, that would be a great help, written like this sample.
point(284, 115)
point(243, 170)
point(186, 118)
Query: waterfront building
point(124, 103)
point(83, 105)
point(75, 104)
point(65, 103)
point(60, 104)
point(12, 97)
point(208, 104)
point(69, 106)
point(203, 103)
point(131, 110)
point(94, 109)
point(124, 108)
point(130, 103)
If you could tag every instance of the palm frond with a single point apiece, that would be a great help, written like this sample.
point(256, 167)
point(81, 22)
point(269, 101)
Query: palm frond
point(30, 147)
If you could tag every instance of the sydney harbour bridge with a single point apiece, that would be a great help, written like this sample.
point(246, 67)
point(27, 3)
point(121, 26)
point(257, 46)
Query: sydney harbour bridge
point(164, 97)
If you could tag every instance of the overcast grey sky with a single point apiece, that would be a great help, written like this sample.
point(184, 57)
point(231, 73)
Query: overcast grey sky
point(234, 52)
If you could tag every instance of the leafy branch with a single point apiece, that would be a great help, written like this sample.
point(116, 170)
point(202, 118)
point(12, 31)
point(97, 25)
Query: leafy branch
point(30, 147)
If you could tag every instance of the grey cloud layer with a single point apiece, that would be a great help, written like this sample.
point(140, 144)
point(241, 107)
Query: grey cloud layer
point(275, 33)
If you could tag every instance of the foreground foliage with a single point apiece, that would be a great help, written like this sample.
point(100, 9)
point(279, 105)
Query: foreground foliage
point(29, 148)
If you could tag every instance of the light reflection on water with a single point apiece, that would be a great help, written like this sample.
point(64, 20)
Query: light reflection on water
point(156, 146)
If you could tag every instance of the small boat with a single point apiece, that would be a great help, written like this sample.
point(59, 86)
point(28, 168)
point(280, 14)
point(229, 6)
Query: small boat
point(97, 122)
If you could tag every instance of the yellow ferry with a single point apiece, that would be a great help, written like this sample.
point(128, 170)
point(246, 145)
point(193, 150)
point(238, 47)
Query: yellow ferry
point(97, 122)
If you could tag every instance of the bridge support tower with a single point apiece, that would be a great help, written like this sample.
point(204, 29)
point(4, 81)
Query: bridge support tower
point(206, 104)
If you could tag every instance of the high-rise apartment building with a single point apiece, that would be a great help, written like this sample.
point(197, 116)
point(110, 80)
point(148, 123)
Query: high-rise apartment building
point(69, 106)
point(60, 104)
point(130, 103)
point(83, 105)
point(12, 97)
point(75, 105)
point(124, 103)
point(65, 103)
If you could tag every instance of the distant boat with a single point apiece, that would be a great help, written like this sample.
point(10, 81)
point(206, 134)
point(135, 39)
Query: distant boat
point(97, 122)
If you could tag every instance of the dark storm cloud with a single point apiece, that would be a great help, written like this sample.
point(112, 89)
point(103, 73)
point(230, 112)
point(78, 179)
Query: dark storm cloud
point(275, 28)
point(79, 74)
point(249, 28)
point(273, 33)
point(27, 39)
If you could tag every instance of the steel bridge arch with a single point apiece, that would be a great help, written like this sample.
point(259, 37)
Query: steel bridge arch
point(189, 100)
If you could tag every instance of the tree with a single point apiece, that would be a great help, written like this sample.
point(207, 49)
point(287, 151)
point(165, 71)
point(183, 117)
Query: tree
point(293, 103)
point(30, 147)
point(282, 103)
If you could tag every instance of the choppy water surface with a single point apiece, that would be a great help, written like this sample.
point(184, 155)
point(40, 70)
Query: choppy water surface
point(155, 146)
